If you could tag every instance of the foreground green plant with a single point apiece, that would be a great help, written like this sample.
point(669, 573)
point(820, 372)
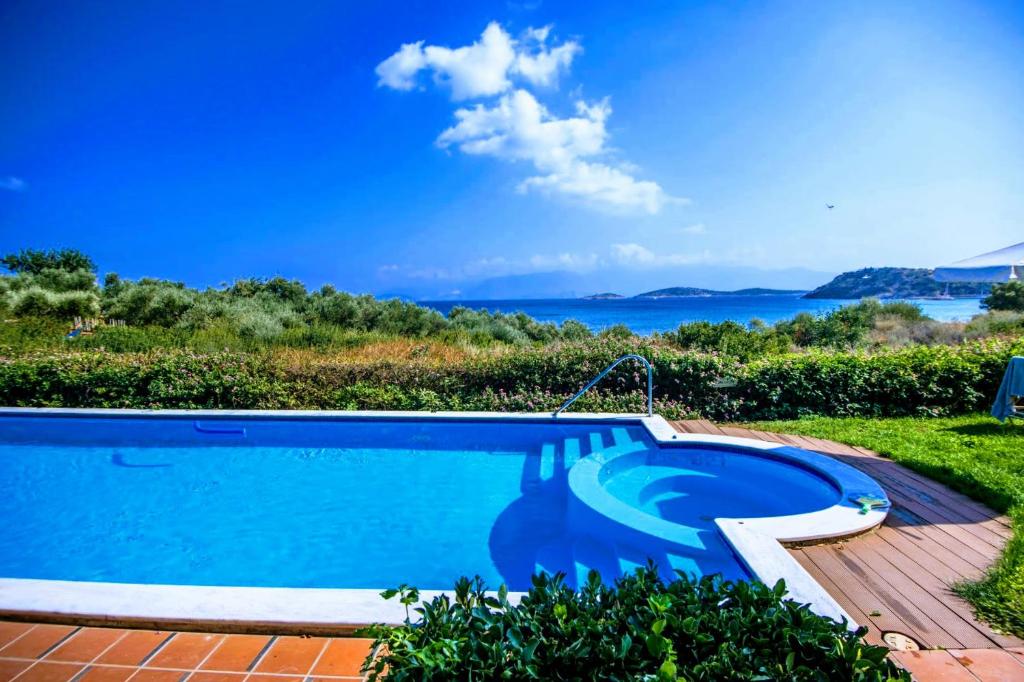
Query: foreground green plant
point(973, 454)
point(642, 628)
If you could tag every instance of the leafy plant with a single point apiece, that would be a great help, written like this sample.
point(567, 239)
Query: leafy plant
point(1005, 296)
point(640, 628)
point(34, 261)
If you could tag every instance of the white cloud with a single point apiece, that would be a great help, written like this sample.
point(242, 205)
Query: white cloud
point(497, 266)
point(539, 262)
point(484, 68)
point(636, 256)
point(632, 254)
point(519, 128)
point(539, 64)
point(13, 184)
point(569, 155)
point(576, 262)
point(399, 70)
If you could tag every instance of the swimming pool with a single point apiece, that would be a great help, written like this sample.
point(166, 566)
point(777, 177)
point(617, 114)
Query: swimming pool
point(365, 502)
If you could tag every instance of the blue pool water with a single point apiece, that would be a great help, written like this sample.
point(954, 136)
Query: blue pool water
point(348, 503)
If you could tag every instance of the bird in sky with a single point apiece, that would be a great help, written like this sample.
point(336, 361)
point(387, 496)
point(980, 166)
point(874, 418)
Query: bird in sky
point(830, 206)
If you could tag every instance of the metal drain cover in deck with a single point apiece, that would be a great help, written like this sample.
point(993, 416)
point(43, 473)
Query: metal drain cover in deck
point(897, 641)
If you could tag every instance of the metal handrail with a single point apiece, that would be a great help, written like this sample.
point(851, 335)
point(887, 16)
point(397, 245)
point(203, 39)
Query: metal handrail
point(602, 375)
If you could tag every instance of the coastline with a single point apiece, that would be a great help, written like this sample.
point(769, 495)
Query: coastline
point(647, 315)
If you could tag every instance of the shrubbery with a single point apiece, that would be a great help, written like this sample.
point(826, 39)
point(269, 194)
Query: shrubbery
point(1006, 296)
point(917, 380)
point(248, 314)
point(640, 629)
point(847, 327)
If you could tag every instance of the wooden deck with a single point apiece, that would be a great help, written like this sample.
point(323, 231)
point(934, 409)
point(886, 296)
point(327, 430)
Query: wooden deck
point(898, 577)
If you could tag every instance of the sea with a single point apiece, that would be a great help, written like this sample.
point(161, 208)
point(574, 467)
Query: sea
point(647, 315)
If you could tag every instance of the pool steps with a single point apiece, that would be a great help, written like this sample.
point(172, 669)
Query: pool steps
point(576, 557)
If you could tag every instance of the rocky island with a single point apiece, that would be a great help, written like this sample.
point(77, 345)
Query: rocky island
point(896, 283)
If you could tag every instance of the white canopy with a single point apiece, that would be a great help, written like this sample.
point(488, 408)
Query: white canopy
point(996, 266)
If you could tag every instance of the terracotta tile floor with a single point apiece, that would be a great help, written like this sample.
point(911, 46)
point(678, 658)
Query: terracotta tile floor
point(969, 665)
point(44, 653)
point(41, 653)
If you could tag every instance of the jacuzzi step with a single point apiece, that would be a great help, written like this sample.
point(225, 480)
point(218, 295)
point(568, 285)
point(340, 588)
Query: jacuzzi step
point(621, 437)
point(547, 462)
point(572, 452)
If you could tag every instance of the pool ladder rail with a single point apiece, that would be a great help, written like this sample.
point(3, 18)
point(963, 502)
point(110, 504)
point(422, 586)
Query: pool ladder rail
point(218, 430)
point(605, 372)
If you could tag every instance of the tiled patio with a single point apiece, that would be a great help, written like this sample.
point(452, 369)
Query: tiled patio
point(59, 653)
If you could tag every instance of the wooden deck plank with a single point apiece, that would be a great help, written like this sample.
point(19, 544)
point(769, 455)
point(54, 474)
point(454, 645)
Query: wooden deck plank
point(933, 557)
point(735, 432)
point(913, 526)
point(903, 572)
point(904, 491)
point(985, 528)
point(935, 590)
point(938, 489)
point(873, 594)
point(874, 634)
point(911, 484)
point(701, 426)
point(925, 591)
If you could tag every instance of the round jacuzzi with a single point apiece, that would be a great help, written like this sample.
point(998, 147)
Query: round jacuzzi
point(677, 498)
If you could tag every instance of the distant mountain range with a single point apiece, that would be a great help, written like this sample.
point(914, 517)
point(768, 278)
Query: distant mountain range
point(614, 283)
point(621, 280)
point(682, 292)
point(696, 292)
point(896, 283)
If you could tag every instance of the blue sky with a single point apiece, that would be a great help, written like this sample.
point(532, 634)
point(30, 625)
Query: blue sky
point(632, 143)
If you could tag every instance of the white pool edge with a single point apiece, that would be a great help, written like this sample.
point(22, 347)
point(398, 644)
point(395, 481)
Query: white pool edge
point(756, 542)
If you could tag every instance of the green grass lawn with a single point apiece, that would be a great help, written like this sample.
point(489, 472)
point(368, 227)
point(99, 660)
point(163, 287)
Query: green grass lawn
point(975, 455)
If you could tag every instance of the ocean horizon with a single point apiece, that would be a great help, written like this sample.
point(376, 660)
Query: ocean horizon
point(647, 315)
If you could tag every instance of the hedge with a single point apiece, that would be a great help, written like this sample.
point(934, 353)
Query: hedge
point(920, 380)
point(639, 629)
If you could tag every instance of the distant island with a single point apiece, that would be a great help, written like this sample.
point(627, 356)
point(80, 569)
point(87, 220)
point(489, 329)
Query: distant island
point(691, 292)
point(695, 292)
point(855, 285)
point(896, 283)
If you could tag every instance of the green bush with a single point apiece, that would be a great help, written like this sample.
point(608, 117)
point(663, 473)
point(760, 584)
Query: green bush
point(71, 304)
point(730, 338)
point(148, 302)
point(54, 281)
point(639, 629)
point(995, 322)
point(159, 380)
point(1006, 296)
point(64, 305)
point(916, 380)
point(33, 261)
point(32, 302)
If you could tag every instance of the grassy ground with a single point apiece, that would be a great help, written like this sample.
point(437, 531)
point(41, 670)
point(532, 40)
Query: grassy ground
point(975, 455)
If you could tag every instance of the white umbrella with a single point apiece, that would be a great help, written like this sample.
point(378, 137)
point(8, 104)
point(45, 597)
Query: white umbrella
point(1003, 265)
